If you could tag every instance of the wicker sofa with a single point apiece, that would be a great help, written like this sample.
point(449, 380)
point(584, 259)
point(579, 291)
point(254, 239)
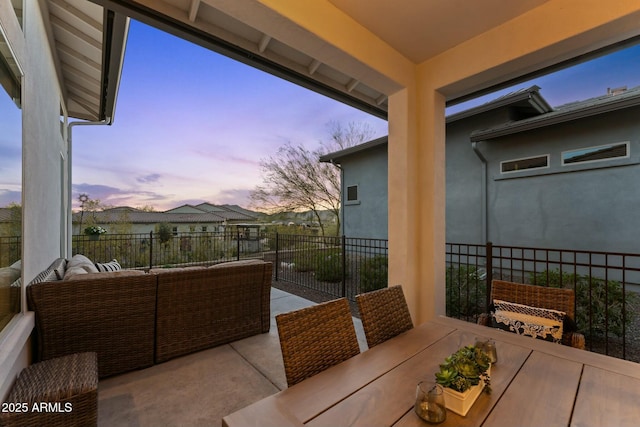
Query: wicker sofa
point(133, 320)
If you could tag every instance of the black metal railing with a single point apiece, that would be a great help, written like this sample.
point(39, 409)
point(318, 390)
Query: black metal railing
point(606, 284)
point(151, 250)
point(10, 250)
point(338, 266)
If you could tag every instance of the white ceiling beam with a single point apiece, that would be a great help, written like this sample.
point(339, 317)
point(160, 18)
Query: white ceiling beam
point(313, 67)
point(264, 42)
point(193, 10)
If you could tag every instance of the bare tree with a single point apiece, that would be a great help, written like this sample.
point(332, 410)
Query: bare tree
point(294, 179)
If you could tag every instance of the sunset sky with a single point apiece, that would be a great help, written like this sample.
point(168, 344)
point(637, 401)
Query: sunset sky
point(192, 125)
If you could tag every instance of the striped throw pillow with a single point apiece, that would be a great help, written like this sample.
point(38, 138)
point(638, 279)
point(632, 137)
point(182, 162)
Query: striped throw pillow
point(112, 265)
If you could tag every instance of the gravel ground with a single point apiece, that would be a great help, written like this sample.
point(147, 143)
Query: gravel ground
point(614, 345)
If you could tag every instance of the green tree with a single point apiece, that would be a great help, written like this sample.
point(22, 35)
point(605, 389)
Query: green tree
point(165, 232)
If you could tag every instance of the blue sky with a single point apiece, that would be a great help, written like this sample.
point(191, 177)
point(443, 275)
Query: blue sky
point(192, 125)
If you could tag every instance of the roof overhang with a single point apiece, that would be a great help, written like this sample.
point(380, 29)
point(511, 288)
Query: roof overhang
point(337, 156)
point(89, 44)
point(576, 111)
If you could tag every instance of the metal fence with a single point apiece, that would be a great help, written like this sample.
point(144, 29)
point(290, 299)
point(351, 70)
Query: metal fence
point(338, 266)
point(9, 250)
point(606, 285)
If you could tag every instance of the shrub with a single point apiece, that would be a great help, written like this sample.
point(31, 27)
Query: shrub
point(466, 291)
point(329, 266)
point(374, 273)
point(596, 299)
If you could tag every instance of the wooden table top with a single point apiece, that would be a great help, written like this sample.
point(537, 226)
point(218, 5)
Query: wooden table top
point(534, 383)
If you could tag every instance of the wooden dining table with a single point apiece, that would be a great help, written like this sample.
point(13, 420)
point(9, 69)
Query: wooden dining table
point(534, 383)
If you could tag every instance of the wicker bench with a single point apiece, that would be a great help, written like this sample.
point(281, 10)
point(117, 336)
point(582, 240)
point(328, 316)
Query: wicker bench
point(56, 392)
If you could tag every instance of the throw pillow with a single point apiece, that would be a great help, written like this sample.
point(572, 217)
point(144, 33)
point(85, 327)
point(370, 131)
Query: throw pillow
point(83, 262)
point(541, 323)
point(73, 271)
point(112, 265)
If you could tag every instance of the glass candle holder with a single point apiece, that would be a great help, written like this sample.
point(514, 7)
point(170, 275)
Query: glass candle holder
point(489, 348)
point(430, 405)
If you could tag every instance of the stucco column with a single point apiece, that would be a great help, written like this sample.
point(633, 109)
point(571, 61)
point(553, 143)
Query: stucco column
point(417, 199)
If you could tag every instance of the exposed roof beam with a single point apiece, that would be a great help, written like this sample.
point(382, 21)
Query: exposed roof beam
point(79, 73)
point(77, 13)
point(264, 42)
point(352, 85)
point(57, 22)
point(75, 54)
point(381, 99)
point(193, 10)
point(313, 67)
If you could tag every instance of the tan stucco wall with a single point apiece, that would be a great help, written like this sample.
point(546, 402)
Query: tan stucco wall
point(42, 192)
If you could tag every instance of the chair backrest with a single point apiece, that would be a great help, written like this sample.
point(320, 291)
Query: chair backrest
point(537, 296)
point(384, 314)
point(315, 338)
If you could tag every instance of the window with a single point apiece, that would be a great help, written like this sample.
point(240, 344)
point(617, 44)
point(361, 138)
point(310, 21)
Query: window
point(596, 154)
point(204, 228)
point(526, 163)
point(352, 193)
point(10, 183)
point(175, 231)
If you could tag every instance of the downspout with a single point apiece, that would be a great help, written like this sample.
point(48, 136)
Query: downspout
point(341, 230)
point(70, 127)
point(483, 190)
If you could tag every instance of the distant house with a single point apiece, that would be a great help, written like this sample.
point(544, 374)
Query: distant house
point(521, 173)
point(364, 188)
point(186, 218)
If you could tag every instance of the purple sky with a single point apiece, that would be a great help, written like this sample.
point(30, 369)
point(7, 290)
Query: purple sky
point(192, 125)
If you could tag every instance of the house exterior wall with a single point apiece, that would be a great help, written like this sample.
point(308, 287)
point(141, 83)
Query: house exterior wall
point(464, 203)
point(368, 170)
point(591, 206)
point(44, 171)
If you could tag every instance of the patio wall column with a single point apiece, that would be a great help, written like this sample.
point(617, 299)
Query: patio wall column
point(417, 198)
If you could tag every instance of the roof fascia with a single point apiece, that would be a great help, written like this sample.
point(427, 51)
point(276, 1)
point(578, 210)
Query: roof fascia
point(116, 30)
point(531, 95)
point(337, 155)
point(555, 117)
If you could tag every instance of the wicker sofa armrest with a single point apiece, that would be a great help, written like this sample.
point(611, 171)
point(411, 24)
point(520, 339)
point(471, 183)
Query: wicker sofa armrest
point(112, 316)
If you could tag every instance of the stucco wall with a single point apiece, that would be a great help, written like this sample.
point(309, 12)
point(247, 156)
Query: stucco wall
point(591, 206)
point(367, 217)
point(43, 171)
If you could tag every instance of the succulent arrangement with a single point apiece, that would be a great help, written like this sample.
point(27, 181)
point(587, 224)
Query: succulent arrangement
point(464, 369)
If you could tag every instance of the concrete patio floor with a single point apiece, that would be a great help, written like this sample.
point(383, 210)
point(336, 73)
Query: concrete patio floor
point(201, 388)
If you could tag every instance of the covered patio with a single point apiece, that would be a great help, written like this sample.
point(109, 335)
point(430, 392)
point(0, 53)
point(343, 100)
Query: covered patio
point(404, 63)
point(203, 387)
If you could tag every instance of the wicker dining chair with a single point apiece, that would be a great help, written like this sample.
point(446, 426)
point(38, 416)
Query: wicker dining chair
point(537, 296)
point(315, 338)
point(384, 314)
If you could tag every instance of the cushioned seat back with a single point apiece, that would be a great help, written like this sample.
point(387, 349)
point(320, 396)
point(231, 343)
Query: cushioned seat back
point(536, 296)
